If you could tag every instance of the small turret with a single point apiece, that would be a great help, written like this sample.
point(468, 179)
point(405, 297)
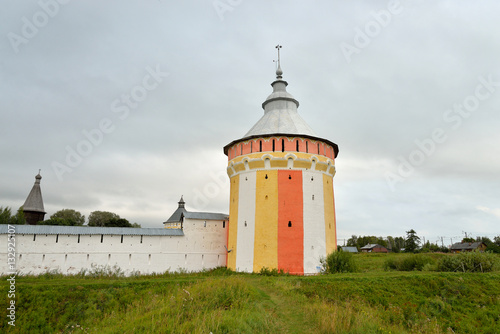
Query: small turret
point(33, 206)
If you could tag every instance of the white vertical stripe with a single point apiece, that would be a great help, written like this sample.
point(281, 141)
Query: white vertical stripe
point(314, 221)
point(246, 214)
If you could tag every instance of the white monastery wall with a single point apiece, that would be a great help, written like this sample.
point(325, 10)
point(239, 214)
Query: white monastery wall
point(201, 247)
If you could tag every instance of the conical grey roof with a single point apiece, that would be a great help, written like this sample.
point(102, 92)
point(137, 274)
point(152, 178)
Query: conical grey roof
point(34, 202)
point(280, 113)
point(280, 117)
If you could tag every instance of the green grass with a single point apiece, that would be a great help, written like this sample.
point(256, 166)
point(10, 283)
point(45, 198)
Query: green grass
point(220, 301)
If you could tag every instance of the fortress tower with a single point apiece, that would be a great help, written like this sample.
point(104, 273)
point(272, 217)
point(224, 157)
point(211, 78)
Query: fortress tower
point(282, 211)
point(33, 206)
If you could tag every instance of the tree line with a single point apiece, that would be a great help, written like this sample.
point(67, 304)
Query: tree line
point(68, 217)
point(411, 243)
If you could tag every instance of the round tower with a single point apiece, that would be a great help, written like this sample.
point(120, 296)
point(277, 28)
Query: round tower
point(282, 211)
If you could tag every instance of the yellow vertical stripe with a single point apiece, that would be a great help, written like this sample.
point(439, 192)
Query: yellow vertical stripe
point(330, 227)
point(266, 221)
point(233, 221)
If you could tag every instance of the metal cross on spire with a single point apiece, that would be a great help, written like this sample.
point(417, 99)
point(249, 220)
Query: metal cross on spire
point(279, 72)
point(278, 47)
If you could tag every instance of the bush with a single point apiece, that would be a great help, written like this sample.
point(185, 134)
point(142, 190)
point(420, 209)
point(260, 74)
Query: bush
point(468, 262)
point(409, 263)
point(338, 262)
point(265, 271)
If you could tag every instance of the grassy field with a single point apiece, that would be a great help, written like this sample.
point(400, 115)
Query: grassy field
point(220, 301)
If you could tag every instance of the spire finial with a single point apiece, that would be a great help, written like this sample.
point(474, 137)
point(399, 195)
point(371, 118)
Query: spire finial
point(279, 72)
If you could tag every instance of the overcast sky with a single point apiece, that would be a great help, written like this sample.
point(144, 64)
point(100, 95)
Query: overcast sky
point(126, 105)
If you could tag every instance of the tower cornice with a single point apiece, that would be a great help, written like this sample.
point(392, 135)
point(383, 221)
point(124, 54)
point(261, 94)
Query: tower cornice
point(294, 135)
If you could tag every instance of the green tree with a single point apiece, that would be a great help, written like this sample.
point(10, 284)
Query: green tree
point(109, 219)
point(101, 218)
point(72, 217)
point(56, 221)
point(5, 215)
point(18, 218)
point(352, 241)
point(391, 244)
point(468, 240)
point(496, 240)
point(412, 241)
point(490, 245)
point(364, 240)
point(400, 243)
point(120, 222)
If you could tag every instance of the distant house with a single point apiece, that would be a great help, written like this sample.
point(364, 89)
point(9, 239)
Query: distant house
point(374, 248)
point(468, 247)
point(349, 249)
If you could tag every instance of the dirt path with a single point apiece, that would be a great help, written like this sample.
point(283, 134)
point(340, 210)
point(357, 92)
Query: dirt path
point(286, 307)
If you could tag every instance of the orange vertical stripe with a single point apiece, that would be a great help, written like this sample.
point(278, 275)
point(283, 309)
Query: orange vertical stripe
point(290, 222)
